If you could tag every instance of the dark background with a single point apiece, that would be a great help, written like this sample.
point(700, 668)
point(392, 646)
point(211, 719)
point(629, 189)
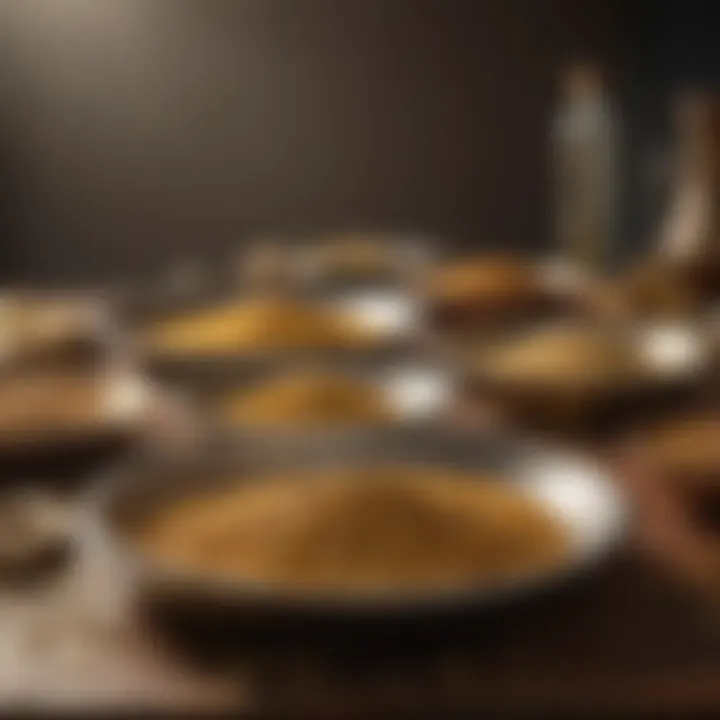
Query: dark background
point(133, 131)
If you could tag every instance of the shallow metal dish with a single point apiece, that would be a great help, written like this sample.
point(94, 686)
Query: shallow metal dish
point(559, 291)
point(61, 453)
point(416, 390)
point(573, 489)
point(69, 329)
point(404, 256)
point(393, 315)
point(677, 358)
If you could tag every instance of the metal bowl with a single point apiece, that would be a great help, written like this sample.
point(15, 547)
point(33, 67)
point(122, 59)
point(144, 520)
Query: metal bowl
point(415, 390)
point(67, 453)
point(68, 330)
point(192, 608)
point(559, 291)
point(677, 361)
point(404, 256)
point(393, 316)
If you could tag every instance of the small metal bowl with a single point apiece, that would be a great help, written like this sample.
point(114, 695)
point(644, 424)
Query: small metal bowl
point(68, 454)
point(416, 391)
point(559, 292)
point(67, 330)
point(678, 359)
point(392, 317)
point(191, 608)
point(403, 257)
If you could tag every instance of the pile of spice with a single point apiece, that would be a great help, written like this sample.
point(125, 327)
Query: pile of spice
point(359, 531)
point(565, 356)
point(38, 402)
point(255, 325)
point(307, 397)
point(475, 291)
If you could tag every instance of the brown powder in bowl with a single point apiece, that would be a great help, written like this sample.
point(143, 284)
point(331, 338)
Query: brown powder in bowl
point(687, 447)
point(307, 397)
point(360, 531)
point(260, 324)
point(484, 279)
point(36, 403)
point(560, 357)
point(482, 293)
point(657, 289)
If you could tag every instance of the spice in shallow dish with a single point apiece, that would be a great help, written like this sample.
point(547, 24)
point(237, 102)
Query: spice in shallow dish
point(359, 531)
point(474, 293)
point(34, 403)
point(687, 446)
point(308, 397)
point(561, 357)
point(260, 324)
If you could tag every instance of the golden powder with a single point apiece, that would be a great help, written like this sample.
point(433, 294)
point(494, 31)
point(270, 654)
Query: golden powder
point(307, 398)
point(560, 356)
point(687, 446)
point(257, 325)
point(39, 402)
point(485, 280)
point(360, 531)
point(658, 288)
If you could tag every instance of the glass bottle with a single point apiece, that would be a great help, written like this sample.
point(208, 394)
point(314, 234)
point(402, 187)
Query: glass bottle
point(585, 164)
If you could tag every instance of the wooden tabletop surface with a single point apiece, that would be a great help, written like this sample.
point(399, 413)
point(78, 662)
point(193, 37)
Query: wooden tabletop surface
point(625, 637)
point(628, 636)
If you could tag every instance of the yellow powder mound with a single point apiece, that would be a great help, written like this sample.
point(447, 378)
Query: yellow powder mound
point(484, 279)
point(307, 397)
point(659, 288)
point(559, 355)
point(30, 324)
point(262, 324)
point(393, 528)
point(688, 446)
point(47, 402)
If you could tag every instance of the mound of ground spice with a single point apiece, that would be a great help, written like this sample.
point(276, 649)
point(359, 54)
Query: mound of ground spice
point(263, 323)
point(360, 531)
point(303, 397)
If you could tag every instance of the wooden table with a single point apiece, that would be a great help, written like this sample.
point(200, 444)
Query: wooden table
point(625, 638)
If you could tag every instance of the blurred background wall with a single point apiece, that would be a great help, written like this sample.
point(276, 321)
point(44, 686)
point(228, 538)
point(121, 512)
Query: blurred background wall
point(135, 130)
